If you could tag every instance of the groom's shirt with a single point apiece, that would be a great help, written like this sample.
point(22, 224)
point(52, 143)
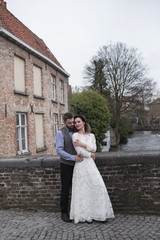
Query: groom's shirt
point(60, 145)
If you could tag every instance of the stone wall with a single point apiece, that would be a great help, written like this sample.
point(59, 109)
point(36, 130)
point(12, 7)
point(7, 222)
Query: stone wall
point(132, 180)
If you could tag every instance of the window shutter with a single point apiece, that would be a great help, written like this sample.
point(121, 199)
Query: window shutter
point(37, 81)
point(39, 131)
point(19, 74)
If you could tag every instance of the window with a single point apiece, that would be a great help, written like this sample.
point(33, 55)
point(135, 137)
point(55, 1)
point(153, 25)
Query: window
point(37, 81)
point(21, 126)
point(62, 122)
point(19, 74)
point(53, 86)
point(61, 91)
point(55, 123)
point(39, 130)
point(127, 104)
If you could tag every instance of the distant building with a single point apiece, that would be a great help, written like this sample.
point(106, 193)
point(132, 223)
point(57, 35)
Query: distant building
point(135, 111)
point(154, 112)
point(33, 90)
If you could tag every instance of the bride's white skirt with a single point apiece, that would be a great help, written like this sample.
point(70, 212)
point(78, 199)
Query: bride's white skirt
point(90, 199)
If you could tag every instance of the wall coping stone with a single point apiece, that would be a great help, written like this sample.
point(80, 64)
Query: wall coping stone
point(105, 158)
point(129, 157)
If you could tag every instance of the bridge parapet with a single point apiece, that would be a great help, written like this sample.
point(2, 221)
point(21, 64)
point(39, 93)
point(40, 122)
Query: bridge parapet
point(132, 180)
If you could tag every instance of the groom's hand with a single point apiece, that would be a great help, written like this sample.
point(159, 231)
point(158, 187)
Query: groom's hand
point(78, 158)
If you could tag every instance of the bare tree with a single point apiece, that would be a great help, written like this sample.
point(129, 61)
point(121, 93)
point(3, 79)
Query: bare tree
point(117, 71)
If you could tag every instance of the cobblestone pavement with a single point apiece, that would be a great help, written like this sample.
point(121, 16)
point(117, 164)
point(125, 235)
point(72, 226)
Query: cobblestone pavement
point(29, 225)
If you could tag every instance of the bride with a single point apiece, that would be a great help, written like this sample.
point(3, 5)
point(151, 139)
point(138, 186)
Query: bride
point(89, 200)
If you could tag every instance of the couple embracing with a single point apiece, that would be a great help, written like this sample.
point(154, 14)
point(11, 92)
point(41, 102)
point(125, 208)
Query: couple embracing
point(76, 146)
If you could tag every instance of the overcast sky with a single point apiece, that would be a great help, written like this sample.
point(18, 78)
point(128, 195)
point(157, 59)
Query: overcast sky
point(74, 30)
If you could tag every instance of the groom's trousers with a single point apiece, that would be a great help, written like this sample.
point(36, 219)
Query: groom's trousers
point(66, 181)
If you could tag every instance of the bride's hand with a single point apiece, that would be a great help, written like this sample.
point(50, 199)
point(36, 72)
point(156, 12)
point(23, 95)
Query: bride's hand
point(77, 143)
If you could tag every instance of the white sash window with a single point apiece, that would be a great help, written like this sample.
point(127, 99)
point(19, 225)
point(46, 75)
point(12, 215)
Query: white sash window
point(55, 123)
point(21, 126)
point(61, 91)
point(62, 122)
point(53, 87)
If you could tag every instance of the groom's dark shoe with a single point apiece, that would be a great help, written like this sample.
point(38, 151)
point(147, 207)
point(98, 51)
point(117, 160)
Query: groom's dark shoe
point(65, 217)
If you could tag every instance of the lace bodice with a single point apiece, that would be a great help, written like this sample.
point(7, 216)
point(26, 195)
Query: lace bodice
point(88, 139)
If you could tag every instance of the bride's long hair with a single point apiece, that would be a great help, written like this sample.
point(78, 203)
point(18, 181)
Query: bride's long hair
point(87, 127)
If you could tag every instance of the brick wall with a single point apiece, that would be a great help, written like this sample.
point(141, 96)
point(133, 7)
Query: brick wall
point(10, 103)
point(132, 180)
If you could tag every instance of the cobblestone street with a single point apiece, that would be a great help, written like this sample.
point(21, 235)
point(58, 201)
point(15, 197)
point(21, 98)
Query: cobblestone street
point(29, 225)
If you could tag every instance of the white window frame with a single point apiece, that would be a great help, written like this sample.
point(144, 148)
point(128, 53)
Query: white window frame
point(61, 91)
point(62, 122)
point(55, 119)
point(53, 87)
point(19, 128)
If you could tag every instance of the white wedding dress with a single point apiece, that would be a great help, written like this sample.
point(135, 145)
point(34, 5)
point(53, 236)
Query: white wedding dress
point(89, 199)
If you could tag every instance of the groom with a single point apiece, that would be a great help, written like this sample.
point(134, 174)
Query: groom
point(68, 156)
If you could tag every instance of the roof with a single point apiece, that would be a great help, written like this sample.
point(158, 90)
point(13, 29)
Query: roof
point(155, 101)
point(10, 23)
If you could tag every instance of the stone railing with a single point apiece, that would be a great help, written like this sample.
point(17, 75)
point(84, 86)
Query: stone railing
point(132, 180)
point(147, 128)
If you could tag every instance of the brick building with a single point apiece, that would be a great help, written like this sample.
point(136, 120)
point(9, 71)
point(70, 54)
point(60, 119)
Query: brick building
point(33, 90)
point(154, 112)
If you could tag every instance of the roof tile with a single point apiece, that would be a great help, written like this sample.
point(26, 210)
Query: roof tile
point(9, 22)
